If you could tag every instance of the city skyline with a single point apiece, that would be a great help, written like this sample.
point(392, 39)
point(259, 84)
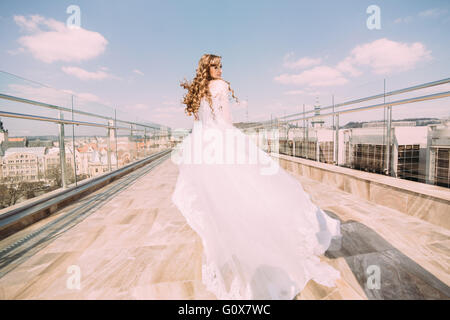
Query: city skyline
point(277, 56)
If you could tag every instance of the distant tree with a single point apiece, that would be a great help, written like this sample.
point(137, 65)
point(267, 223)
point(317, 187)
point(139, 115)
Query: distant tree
point(352, 124)
point(29, 190)
point(9, 195)
point(13, 191)
point(53, 174)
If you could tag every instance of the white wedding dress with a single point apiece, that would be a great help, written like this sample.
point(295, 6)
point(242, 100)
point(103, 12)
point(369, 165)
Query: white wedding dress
point(260, 231)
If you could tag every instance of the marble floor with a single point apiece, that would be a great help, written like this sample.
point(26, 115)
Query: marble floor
point(128, 241)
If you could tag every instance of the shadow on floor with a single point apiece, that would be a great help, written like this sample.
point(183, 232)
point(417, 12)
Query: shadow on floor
point(383, 272)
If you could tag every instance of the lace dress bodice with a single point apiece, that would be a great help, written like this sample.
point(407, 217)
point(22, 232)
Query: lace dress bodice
point(220, 103)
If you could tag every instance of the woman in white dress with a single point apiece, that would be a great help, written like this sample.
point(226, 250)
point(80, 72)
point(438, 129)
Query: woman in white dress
point(260, 231)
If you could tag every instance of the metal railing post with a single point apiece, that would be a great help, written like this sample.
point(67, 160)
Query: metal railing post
point(304, 139)
point(317, 148)
point(73, 148)
point(334, 131)
point(115, 130)
point(131, 141)
point(389, 140)
point(109, 145)
point(62, 152)
point(337, 140)
point(145, 142)
point(293, 146)
point(307, 139)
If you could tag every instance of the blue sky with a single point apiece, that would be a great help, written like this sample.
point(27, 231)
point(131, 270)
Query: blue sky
point(278, 55)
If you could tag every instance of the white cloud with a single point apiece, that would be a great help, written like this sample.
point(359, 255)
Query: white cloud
point(137, 107)
point(430, 13)
point(89, 97)
point(62, 98)
point(316, 77)
point(87, 75)
point(159, 111)
point(304, 62)
point(159, 114)
point(403, 20)
point(382, 56)
point(83, 99)
point(346, 66)
point(168, 110)
point(169, 102)
point(303, 92)
point(31, 24)
point(16, 51)
point(58, 42)
point(138, 72)
point(280, 109)
point(41, 94)
point(295, 92)
point(385, 56)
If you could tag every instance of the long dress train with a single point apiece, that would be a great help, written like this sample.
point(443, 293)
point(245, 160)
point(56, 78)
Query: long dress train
point(260, 231)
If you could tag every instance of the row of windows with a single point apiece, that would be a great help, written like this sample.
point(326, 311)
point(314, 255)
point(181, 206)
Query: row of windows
point(22, 161)
point(20, 173)
point(33, 160)
point(24, 178)
point(21, 167)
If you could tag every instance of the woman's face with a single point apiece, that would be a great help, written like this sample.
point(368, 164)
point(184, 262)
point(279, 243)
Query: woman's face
point(215, 70)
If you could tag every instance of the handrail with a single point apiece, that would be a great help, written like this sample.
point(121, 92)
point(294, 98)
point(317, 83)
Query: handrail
point(375, 106)
point(55, 107)
point(378, 96)
point(159, 131)
point(381, 95)
point(56, 120)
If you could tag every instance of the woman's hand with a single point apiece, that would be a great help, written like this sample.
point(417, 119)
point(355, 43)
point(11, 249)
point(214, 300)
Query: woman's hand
point(196, 116)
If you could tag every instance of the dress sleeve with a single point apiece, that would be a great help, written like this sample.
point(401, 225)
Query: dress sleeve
point(219, 89)
point(220, 95)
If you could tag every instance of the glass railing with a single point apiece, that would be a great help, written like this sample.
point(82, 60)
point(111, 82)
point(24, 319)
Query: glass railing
point(395, 130)
point(52, 139)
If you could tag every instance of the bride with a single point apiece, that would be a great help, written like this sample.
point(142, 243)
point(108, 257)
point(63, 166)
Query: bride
point(262, 235)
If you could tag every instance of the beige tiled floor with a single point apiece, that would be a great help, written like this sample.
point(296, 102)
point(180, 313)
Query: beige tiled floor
point(139, 246)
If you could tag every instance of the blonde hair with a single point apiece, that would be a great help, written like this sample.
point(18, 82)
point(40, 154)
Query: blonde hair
point(198, 88)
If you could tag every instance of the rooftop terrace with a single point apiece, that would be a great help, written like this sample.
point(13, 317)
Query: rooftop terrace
point(130, 242)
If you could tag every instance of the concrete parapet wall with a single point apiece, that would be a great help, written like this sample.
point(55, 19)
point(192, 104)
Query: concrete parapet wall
point(427, 202)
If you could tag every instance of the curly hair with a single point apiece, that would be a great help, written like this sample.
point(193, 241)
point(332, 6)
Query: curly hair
point(198, 88)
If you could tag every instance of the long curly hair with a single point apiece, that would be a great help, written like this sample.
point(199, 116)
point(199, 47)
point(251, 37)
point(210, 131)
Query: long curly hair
point(198, 88)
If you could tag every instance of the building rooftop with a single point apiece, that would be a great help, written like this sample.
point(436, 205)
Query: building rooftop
point(40, 151)
point(139, 232)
